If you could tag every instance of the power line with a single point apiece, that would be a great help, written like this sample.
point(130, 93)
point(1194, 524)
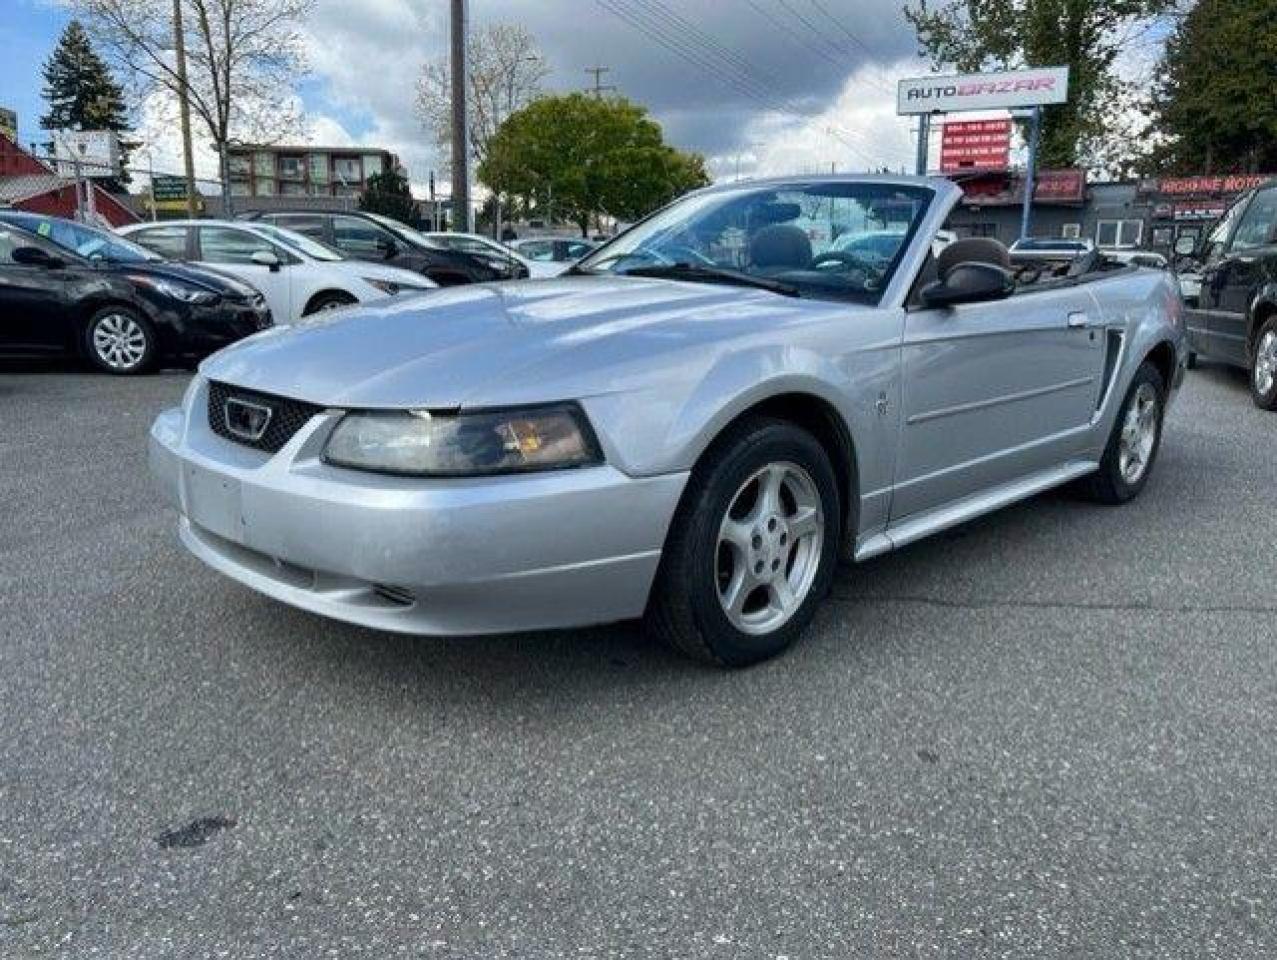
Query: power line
point(727, 67)
point(817, 31)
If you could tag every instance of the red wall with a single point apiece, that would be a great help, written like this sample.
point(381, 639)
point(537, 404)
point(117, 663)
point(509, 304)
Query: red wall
point(16, 162)
point(60, 202)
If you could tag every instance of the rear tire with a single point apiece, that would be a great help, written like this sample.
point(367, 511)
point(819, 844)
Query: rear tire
point(1133, 445)
point(1263, 366)
point(119, 341)
point(752, 548)
point(334, 300)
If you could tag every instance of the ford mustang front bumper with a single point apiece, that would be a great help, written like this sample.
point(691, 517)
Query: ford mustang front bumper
point(443, 557)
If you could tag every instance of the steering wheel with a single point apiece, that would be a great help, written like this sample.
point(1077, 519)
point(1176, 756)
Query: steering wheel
point(840, 257)
point(682, 254)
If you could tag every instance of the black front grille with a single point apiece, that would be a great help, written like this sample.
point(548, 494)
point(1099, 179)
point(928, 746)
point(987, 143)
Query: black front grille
point(286, 416)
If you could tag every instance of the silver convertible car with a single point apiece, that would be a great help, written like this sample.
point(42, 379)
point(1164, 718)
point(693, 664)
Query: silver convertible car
point(693, 425)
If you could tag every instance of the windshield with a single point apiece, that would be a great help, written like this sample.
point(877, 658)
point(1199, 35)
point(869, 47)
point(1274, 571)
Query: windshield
point(405, 231)
point(91, 243)
point(838, 239)
point(299, 243)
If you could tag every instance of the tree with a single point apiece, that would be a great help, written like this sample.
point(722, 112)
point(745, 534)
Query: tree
point(1214, 103)
point(506, 70)
point(388, 194)
point(581, 156)
point(1086, 35)
point(243, 58)
point(81, 93)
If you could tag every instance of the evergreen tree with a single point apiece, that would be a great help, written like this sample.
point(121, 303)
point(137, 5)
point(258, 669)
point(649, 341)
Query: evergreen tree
point(80, 91)
point(1214, 102)
point(388, 194)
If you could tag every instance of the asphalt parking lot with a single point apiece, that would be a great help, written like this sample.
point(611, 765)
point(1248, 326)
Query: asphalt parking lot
point(1050, 733)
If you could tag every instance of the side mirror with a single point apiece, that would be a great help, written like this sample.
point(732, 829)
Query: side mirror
point(969, 283)
point(35, 257)
point(266, 258)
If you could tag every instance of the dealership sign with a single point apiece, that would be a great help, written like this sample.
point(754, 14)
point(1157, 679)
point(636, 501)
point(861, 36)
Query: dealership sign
point(983, 91)
point(975, 145)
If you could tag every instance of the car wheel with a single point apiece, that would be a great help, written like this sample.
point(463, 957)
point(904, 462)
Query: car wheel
point(1263, 369)
point(119, 341)
point(1133, 445)
point(334, 300)
point(752, 548)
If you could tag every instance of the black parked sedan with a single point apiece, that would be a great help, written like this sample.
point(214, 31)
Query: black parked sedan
point(371, 236)
point(66, 288)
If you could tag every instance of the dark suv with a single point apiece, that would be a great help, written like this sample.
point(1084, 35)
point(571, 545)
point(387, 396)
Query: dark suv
point(370, 236)
point(1235, 318)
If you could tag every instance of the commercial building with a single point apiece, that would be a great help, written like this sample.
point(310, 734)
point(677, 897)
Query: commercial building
point(1151, 214)
point(302, 172)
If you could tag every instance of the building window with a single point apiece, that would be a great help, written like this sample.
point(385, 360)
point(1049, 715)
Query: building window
point(240, 188)
point(318, 167)
point(289, 188)
point(1119, 234)
point(264, 188)
point(264, 163)
point(292, 168)
point(1071, 231)
point(373, 164)
point(240, 164)
point(347, 170)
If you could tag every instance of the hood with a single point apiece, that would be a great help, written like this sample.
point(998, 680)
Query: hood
point(208, 279)
point(378, 271)
point(467, 346)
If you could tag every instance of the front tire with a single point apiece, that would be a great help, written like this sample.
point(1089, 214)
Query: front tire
point(119, 341)
point(752, 548)
point(1132, 448)
point(1263, 367)
point(333, 300)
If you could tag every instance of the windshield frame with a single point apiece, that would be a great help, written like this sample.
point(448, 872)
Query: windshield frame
point(410, 235)
point(922, 192)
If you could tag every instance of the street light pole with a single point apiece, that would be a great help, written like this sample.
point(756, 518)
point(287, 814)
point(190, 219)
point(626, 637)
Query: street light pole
point(461, 212)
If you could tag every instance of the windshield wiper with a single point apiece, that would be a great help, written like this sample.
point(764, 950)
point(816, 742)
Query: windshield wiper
point(707, 274)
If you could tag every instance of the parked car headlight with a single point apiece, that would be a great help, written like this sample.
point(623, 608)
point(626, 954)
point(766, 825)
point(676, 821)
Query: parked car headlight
point(393, 287)
point(420, 443)
point(175, 289)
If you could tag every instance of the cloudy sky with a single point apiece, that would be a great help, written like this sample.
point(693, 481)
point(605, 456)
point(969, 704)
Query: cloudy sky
point(762, 86)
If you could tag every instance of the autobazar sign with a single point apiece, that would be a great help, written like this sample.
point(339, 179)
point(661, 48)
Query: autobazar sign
point(983, 91)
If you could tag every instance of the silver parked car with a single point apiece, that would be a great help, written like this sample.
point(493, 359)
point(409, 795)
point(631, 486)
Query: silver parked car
point(694, 424)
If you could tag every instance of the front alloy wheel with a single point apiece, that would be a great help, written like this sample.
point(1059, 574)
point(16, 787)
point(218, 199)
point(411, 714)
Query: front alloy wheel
point(119, 341)
point(752, 547)
point(769, 547)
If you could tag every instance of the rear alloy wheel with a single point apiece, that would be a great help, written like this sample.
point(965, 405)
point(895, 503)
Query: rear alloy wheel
point(752, 548)
point(1263, 373)
point(119, 341)
point(1133, 445)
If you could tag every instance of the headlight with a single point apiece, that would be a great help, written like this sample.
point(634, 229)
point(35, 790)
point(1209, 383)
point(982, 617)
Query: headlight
point(393, 287)
point(419, 443)
point(176, 289)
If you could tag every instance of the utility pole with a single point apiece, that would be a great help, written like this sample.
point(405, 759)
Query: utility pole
point(924, 143)
point(599, 87)
point(184, 107)
point(1030, 173)
point(461, 213)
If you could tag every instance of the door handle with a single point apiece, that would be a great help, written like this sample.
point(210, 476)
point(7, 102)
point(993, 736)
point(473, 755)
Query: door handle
point(1079, 320)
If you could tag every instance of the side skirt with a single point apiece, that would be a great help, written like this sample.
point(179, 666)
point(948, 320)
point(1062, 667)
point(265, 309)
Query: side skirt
point(910, 529)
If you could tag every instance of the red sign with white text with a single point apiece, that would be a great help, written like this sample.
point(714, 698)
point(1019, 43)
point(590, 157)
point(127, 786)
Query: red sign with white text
point(975, 145)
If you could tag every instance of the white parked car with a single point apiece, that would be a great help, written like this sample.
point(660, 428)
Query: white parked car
point(298, 276)
point(486, 247)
